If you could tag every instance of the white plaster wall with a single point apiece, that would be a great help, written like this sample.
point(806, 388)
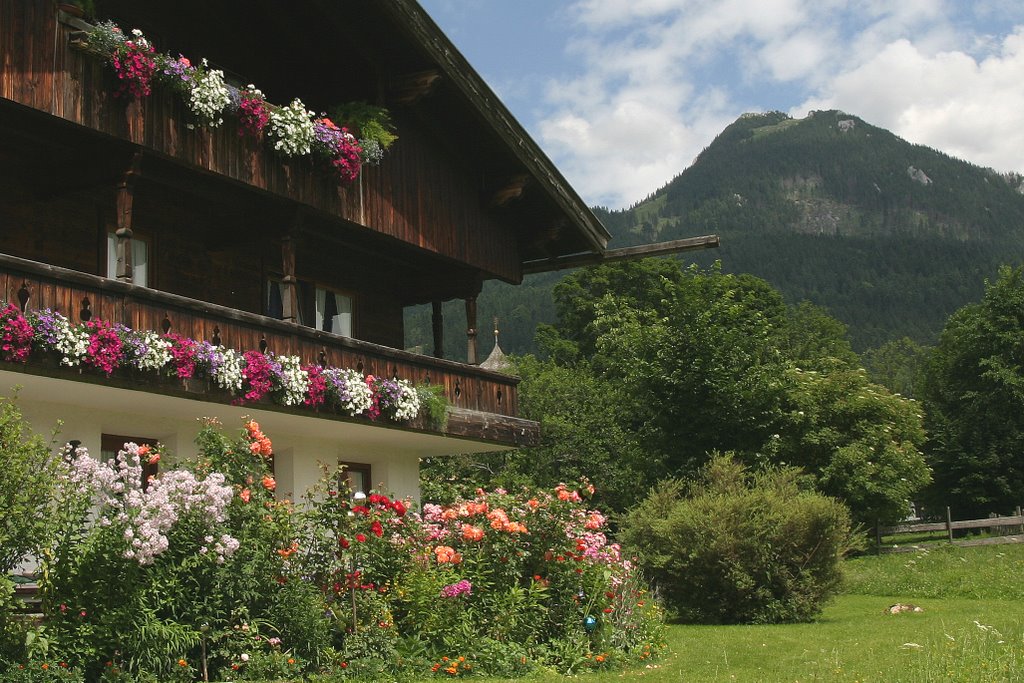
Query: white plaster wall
point(301, 444)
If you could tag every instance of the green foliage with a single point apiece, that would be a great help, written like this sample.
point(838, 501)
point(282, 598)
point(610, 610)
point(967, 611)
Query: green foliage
point(433, 405)
point(699, 368)
point(897, 365)
point(861, 442)
point(586, 433)
point(27, 488)
point(974, 398)
point(737, 547)
point(45, 671)
point(366, 122)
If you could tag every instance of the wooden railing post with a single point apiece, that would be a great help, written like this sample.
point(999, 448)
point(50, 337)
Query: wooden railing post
point(949, 524)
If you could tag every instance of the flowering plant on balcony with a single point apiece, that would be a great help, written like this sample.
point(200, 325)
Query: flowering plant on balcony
point(15, 335)
point(396, 399)
point(176, 73)
point(338, 147)
point(253, 113)
point(248, 376)
point(133, 58)
point(291, 127)
point(208, 96)
point(347, 391)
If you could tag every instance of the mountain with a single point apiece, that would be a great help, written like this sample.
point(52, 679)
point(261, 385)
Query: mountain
point(890, 237)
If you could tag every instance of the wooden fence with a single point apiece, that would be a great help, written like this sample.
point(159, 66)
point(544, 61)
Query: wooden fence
point(1013, 522)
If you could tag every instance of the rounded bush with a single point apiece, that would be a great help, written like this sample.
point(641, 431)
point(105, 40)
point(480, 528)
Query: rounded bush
point(740, 547)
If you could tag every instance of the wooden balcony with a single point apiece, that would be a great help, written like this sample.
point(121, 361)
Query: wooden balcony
point(421, 195)
point(483, 403)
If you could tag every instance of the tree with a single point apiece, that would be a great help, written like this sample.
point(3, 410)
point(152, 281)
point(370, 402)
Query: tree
point(585, 434)
point(897, 365)
point(861, 443)
point(700, 374)
point(974, 400)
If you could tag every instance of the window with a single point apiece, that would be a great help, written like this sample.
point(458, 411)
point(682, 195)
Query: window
point(333, 312)
point(140, 259)
point(110, 444)
point(357, 476)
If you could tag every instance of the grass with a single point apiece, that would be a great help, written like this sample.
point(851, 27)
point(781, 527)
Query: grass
point(971, 629)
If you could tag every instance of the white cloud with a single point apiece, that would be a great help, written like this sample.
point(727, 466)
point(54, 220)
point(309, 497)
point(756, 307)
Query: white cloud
point(947, 100)
point(658, 79)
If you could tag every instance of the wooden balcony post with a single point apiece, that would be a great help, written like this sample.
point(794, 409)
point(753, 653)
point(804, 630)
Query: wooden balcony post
point(471, 330)
point(437, 319)
point(125, 218)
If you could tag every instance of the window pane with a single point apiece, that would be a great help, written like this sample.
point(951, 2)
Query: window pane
point(342, 321)
point(333, 312)
point(140, 259)
point(140, 262)
point(275, 302)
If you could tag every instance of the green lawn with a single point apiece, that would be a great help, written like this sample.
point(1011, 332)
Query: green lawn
point(972, 628)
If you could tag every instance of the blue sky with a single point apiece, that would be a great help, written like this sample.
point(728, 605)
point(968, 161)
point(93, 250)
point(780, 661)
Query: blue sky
point(623, 94)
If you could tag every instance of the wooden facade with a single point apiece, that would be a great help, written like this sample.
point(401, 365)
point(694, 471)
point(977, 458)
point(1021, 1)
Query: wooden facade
point(228, 224)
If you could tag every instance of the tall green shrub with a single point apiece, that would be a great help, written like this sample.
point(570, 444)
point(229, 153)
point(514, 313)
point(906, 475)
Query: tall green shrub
point(740, 547)
point(27, 495)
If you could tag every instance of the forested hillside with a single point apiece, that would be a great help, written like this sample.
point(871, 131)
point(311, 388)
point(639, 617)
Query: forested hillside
point(890, 237)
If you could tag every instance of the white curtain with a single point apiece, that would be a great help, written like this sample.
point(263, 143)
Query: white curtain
point(333, 312)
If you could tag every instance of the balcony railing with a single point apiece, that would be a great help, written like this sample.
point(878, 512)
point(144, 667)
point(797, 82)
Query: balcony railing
point(484, 403)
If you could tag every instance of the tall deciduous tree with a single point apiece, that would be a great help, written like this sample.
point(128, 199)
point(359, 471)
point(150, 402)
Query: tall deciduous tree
point(974, 398)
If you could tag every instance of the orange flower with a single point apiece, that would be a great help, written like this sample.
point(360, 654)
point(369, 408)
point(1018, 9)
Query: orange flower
point(245, 495)
point(291, 660)
point(289, 551)
point(45, 666)
point(533, 503)
point(472, 533)
point(154, 459)
point(269, 483)
point(182, 663)
point(599, 658)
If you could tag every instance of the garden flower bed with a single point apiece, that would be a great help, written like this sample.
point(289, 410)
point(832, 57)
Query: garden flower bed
point(201, 574)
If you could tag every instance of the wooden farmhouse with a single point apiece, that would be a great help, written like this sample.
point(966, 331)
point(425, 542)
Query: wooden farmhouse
point(128, 209)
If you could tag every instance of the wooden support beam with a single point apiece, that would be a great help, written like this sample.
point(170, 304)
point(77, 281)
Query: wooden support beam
point(289, 283)
point(623, 254)
point(437, 319)
point(125, 217)
point(408, 88)
point(510, 189)
point(471, 356)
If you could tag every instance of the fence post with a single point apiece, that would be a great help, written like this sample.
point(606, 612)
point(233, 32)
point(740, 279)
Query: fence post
point(1021, 526)
point(949, 524)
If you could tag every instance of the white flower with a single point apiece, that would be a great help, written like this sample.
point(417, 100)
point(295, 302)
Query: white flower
point(293, 127)
point(294, 380)
point(208, 96)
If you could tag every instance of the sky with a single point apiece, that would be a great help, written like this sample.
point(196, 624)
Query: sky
point(623, 94)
